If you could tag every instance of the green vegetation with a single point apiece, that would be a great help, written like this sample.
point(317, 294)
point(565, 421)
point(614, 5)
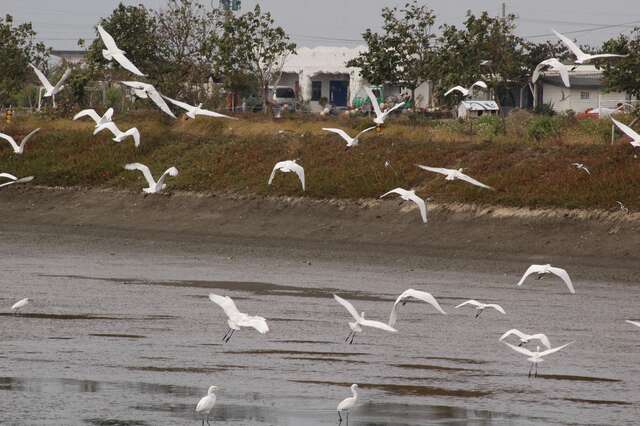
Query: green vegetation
point(530, 165)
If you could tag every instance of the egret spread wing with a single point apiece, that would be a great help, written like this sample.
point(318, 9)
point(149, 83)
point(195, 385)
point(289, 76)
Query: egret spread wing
point(564, 276)
point(12, 141)
point(607, 55)
point(469, 302)
point(550, 351)
point(377, 324)
point(636, 323)
point(398, 191)
point(108, 41)
point(365, 131)
point(135, 134)
point(543, 339)
point(496, 307)
point(42, 78)
point(214, 114)
point(181, 104)
point(340, 132)
point(440, 170)
point(421, 205)
point(127, 64)
point(26, 138)
point(297, 169)
point(157, 99)
point(108, 115)
point(226, 303)
point(538, 70)
point(627, 130)
point(171, 171)
point(111, 126)
point(8, 176)
point(515, 331)
point(90, 113)
point(531, 270)
point(472, 181)
point(479, 83)
point(564, 74)
point(348, 306)
point(571, 45)
point(520, 349)
point(145, 172)
point(374, 101)
point(64, 77)
point(259, 323)
point(390, 110)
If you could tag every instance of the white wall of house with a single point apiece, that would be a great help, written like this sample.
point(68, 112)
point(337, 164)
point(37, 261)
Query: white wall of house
point(578, 99)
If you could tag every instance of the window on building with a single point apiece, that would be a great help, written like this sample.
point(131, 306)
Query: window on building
point(316, 90)
point(585, 95)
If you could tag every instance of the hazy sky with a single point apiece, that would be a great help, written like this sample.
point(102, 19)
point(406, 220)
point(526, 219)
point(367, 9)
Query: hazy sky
point(340, 22)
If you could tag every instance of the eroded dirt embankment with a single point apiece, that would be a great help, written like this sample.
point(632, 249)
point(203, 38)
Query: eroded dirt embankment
point(478, 232)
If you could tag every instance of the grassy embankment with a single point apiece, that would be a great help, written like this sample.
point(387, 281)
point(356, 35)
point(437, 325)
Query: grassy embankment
point(529, 166)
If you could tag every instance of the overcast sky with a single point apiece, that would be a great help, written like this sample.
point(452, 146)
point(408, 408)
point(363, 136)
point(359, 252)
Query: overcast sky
point(340, 22)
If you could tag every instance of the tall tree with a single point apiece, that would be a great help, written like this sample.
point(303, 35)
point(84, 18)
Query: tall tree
point(403, 53)
point(18, 48)
point(623, 74)
point(187, 38)
point(252, 44)
point(487, 48)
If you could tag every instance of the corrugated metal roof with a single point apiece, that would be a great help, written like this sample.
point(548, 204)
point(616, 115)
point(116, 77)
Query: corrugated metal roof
point(480, 105)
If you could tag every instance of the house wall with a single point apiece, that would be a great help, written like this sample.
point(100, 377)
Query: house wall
point(564, 99)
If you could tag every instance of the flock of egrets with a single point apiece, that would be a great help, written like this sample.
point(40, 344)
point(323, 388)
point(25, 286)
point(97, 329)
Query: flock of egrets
point(236, 319)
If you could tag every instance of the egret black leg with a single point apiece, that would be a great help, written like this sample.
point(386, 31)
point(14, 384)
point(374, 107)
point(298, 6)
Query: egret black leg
point(530, 368)
point(353, 336)
point(348, 336)
point(347, 418)
point(226, 334)
point(536, 371)
point(479, 312)
point(339, 418)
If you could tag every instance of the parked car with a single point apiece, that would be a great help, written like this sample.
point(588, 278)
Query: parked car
point(284, 97)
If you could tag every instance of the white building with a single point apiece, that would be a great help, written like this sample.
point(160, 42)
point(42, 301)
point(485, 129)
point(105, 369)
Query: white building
point(321, 72)
point(587, 91)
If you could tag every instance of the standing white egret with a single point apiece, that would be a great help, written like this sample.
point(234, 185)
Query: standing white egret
point(380, 116)
point(236, 319)
point(360, 321)
point(581, 166)
point(192, 111)
point(635, 137)
point(552, 64)
point(105, 118)
point(206, 404)
point(286, 167)
point(526, 338)
point(154, 187)
point(636, 323)
point(581, 57)
point(147, 91)
point(466, 92)
point(452, 174)
point(113, 52)
point(118, 134)
point(623, 209)
point(410, 196)
point(416, 294)
point(536, 357)
point(18, 149)
point(347, 404)
point(480, 307)
point(351, 141)
point(13, 179)
point(542, 270)
point(20, 304)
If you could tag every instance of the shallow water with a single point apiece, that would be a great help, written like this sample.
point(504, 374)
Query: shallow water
point(127, 336)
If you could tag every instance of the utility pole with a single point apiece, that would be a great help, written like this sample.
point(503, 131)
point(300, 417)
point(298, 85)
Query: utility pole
point(504, 10)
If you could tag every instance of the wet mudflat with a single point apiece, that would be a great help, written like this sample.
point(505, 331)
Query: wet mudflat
point(121, 332)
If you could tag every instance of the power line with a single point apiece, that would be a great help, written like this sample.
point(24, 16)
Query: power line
point(585, 30)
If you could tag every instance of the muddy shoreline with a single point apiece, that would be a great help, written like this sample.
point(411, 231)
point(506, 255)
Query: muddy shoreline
point(604, 243)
